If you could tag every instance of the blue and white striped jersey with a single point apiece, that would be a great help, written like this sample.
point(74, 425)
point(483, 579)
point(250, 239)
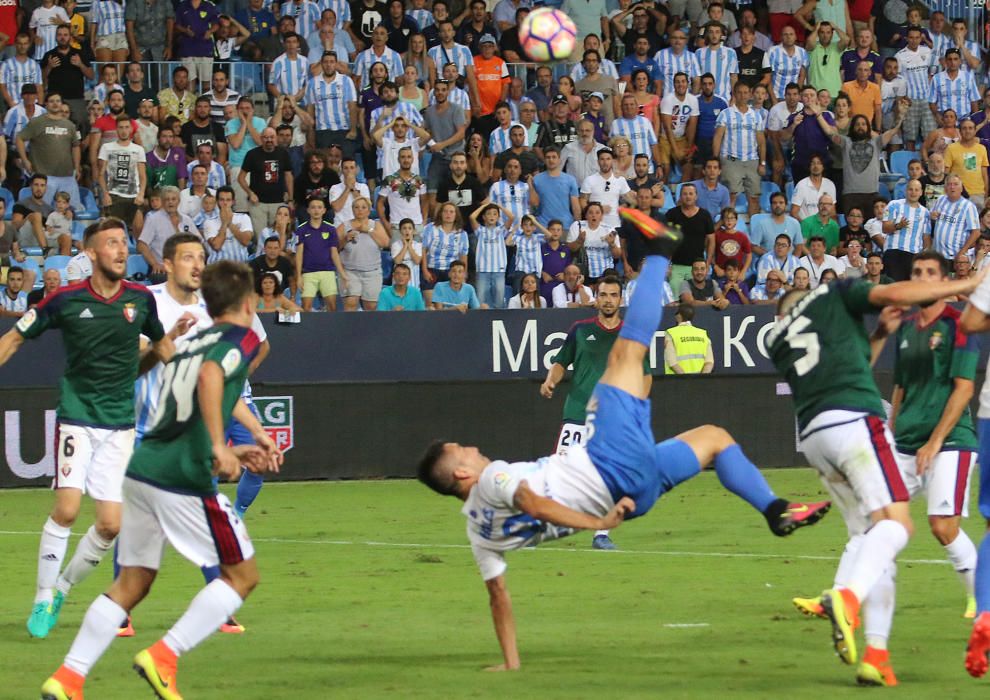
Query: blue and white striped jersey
point(499, 140)
point(16, 74)
point(489, 252)
point(759, 293)
point(785, 67)
point(331, 101)
point(423, 18)
point(739, 141)
point(529, 256)
point(215, 177)
point(19, 304)
point(596, 245)
point(910, 239)
point(288, 75)
point(41, 23)
point(232, 248)
point(513, 196)
point(442, 248)
point(307, 16)
point(671, 64)
point(406, 109)
point(940, 42)
point(15, 119)
point(101, 91)
point(955, 223)
point(958, 94)
point(723, 64)
point(639, 131)
point(769, 262)
point(913, 67)
point(367, 58)
point(974, 49)
point(108, 16)
point(341, 8)
point(607, 67)
point(458, 97)
point(458, 54)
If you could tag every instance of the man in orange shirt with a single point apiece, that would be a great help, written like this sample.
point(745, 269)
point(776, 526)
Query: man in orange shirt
point(493, 85)
point(864, 94)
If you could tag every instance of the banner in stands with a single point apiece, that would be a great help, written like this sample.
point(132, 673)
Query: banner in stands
point(436, 347)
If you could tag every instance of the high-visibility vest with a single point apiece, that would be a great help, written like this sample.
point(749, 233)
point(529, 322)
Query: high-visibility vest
point(691, 347)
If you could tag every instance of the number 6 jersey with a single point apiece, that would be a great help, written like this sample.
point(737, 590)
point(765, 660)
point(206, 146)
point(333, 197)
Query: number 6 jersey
point(177, 454)
point(823, 351)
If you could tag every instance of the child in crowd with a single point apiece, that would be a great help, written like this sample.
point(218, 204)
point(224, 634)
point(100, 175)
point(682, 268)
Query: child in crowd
point(491, 255)
point(408, 250)
point(59, 222)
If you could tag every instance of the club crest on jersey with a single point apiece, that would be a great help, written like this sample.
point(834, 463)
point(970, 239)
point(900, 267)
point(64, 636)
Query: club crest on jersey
point(66, 470)
point(501, 478)
point(935, 340)
point(130, 312)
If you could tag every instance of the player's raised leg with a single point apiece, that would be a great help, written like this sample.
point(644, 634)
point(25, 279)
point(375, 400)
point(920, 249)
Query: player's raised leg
point(977, 650)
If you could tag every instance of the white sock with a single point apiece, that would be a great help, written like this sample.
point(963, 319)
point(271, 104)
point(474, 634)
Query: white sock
point(98, 630)
point(847, 560)
point(880, 547)
point(89, 553)
point(878, 609)
point(209, 609)
point(54, 541)
point(962, 553)
point(601, 532)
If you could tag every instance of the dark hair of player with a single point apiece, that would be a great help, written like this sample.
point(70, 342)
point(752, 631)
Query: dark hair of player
point(225, 285)
point(428, 471)
point(173, 243)
point(109, 223)
point(611, 278)
point(685, 311)
point(929, 254)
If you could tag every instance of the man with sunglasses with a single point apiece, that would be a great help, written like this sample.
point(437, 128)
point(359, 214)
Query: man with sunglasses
point(607, 188)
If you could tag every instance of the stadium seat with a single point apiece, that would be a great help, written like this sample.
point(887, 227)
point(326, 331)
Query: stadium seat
point(742, 226)
point(899, 161)
point(900, 189)
point(668, 200)
point(31, 265)
point(78, 229)
point(766, 189)
point(36, 251)
point(90, 209)
point(137, 268)
point(742, 203)
point(23, 193)
point(58, 262)
point(676, 174)
point(789, 191)
point(8, 200)
point(842, 220)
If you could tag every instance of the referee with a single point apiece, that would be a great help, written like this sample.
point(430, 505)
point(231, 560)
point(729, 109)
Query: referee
point(741, 146)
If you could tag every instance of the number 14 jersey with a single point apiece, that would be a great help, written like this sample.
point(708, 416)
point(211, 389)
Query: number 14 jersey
point(823, 351)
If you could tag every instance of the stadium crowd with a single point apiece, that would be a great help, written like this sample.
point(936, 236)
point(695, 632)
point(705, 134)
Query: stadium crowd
point(403, 155)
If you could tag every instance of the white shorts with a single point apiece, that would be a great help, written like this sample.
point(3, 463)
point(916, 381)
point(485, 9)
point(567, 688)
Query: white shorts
point(92, 460)
point(571, 434)
point(199, 67)
point(203, 529)
point(945, 484)
point(113, 42)
point(852, 452)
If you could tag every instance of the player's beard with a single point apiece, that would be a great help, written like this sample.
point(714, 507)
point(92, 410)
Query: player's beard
point(111, 274)
point(609, 313)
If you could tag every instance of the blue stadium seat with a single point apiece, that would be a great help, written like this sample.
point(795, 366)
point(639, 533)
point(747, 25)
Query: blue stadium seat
point(742, 203)
point(899, 161)
point(36, 251)
point(31, 265)
point(90, 208)
point(766, 189)
point(789, 191)
point(676, 174)
point(137, 268)
point(742, 226)
point(8, 200)
point(78, 229)
point(58, 262)
point(900, 189)
point(23, 193)
point(669, 201)
point(842, 220)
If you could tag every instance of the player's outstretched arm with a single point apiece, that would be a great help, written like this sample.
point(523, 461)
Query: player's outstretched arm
point(505, 623)
point(548, 510)
point(554, 376)
point(261, 437)
point(887, 325)
point(9, 344)
point(911, 293)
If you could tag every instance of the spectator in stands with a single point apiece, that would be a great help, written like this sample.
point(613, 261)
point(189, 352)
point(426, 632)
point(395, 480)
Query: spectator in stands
point(176, 100)
point(284, 140)
point(736, 291)
point(144, 22)
point(713, 196)
point(316, 180)
point(123, 176)
point(557, 129)
point(956, 220)
point(953, 88)
point(640, 59)
point(863, 51)
point(517, 150)
point(608, 188)
point(781, 148)
point(508, 44)
point(51, 279)
point(332, 103)
point(479, 160)
point(161, 225)
point(361, 245)
point(764, 230)
point(772, 291)
point(817, 260)
point(906, 231)
point(474, 27)
point(290, 71)
point(555, 192)
point(195, 23)
point(216, 176)
point(810, 190)
point(15, 120)
point(601, 246)
point(455, 294)
point(266, 178)
point(400, 295)
point(861, 153)
point(807, 130)
point(330, 38)
point(135, 90)
point(580, 157)
point(191, 198)
point(528, 296)
point(822, 223)
point(637, 128)
point(967, 158)
point(166, 165)
point(491, 258)
point(941, 136)
point(853, 262)
point(555, 258)
point(597, 81)
point(543, 93)
point(147, 128)
point(20, 70)
point(874, 270)
point(342, 195)
point(700, 290)
point(378, 52)
point(854, 231)
point(460, 187)
point(29, 216)
point(229, 235)
point(962, 267)
point(646, 21)
point(780, 259)
point(446, 124)
point(695, 223)
point(201, 129)
point(318, 264)
point(408, 250)
point(65, 70)
point(55, 150)
point(395, 134)
point(727, 243)
point(444, 242)
point(220, 96)
point(14, 300)
point(933, 181)
point(404, 191)
point(572, 292)
point(272, 262)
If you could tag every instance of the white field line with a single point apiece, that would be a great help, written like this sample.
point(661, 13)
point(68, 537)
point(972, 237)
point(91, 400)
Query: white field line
point(558, 550)
point(685, 625)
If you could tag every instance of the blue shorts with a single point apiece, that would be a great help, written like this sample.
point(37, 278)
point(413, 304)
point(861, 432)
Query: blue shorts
point(621, 446)
point(237, 434)
point(983, 428)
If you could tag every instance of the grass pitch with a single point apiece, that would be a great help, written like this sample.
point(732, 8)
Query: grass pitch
point(369, 590)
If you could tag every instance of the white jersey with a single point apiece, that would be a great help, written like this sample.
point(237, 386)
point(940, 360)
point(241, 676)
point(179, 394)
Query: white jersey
point(496, 526)
point(679, 111)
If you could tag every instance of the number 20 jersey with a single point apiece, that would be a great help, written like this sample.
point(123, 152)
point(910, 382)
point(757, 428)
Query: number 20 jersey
point(823, 351)
point(177, 454)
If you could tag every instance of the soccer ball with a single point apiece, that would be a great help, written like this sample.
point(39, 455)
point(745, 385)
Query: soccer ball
point(547, 35)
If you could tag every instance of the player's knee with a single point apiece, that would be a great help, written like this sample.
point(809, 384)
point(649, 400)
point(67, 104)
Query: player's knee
point(65, 514)
point(718, 437)
point(945, 529)
point(107, 529)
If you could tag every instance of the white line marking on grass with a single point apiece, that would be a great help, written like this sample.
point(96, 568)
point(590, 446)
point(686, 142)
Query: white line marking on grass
point(566, 550)
point(685, 625)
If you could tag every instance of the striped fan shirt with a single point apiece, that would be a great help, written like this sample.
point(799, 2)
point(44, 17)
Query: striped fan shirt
point(458, 54)
point(341, 8)
point(16, 119)
point(957, 94)
point(232, 248)
point(974, 49)
point(666, 294)
point(16, 74)
point(786, 67)
point(458, 97)
point(721, 63)
point(513, 196)
point(489, 253)
point(769, 262)
point(289, 75)
point(529, 256)
point(607, 67)
point(443, 248)
point(499, 141)
point(739, 141)
point(367, 58)
point(913, 67)
point(307, 16)
point(671, 64)
point(910, 239)
point(595, 244)
point(956, 221)
point(940, 42)
point(406, 109)
point(108, 16)
point(216, 177)
point(101, 91)
point(331, 101)
point(639, 131)
point(423, 18)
